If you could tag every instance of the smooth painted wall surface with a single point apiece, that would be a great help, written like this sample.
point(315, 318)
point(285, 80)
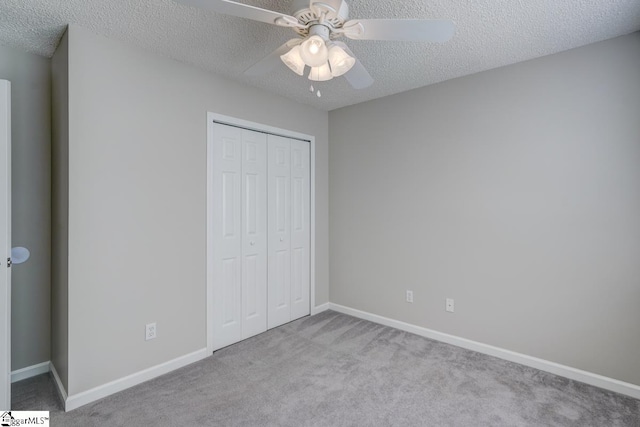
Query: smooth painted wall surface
point(137, 202)
point(60, 211)
point(514, 191)
point(30, 204)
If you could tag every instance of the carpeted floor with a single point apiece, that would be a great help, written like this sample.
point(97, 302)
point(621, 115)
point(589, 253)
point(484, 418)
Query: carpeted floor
point(336, 370)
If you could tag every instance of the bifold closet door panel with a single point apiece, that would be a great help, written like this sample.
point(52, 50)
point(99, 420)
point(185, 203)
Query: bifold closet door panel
point(300, 228)
point(227, 230)
point(279, 230)
point(254, 229)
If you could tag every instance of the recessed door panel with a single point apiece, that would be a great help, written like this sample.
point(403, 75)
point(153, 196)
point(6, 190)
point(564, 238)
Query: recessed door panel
point(297, 206)
point(297, 276)
point(229, 204)
point(251, 151)
point(250, 288)
point(230, 288)
point(281, 203)
point(281, 271)
point(251, 200)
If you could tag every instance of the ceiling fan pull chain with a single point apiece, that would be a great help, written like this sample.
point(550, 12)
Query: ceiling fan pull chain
point(312, 90)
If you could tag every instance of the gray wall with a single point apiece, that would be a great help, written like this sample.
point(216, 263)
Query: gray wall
point(515, 191)
point(60, 211)
point(136, 200)
point(31, 197)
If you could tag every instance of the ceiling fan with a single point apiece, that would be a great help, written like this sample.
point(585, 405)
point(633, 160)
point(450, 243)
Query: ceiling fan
point(319, 24)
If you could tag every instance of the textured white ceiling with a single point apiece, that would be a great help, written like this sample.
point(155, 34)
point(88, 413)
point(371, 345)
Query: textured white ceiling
point(489, 34)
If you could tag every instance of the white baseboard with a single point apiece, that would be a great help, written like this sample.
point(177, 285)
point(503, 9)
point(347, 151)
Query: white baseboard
point(320, 308)
point(80, 399)
point(62, 393)
point(523, 359)
point(30, 371)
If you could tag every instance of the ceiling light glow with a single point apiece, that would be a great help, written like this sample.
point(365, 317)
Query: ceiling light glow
point(293, 60)
point(321, 73)
point(314, 52)
point(340, 61)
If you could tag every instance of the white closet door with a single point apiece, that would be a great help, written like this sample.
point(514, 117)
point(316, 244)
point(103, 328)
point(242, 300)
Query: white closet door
point(254, 233)
point(259, 255)
point(300, 228)
point(279, 231)
point(227, 247)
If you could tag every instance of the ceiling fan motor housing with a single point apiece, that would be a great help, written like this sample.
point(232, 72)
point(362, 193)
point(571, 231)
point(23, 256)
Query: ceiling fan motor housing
point(336, 12)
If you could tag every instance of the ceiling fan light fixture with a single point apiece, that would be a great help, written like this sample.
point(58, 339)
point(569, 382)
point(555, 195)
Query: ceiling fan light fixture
point(340, 61)
point(293, 60)
point(314, 52)
point(320, 74)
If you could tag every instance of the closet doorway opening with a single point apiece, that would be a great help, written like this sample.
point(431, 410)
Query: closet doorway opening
point(260, 228)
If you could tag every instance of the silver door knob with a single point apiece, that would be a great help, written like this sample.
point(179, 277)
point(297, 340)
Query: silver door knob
point(282, 239)
point(252, 243)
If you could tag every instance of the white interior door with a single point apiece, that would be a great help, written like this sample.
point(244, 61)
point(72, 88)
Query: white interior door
point(300, 228)
point(5, 245)
point(254, 233)
point(226, 251)
point(279, 231)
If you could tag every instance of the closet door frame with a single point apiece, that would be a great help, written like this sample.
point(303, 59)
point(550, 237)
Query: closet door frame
point(213, 118)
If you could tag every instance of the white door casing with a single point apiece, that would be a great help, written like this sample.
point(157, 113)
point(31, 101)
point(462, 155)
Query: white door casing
point(279, 219)
point(5, 245)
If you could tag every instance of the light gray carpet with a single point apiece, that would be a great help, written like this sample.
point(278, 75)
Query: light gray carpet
point(336, 370)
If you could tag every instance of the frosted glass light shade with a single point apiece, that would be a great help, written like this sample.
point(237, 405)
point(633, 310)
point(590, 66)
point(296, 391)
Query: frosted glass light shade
point(320, 74)
point(340, 61)
point(293, 60)
point(314, 52)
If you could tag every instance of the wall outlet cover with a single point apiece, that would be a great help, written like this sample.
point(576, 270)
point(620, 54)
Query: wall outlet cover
point(449, 305)
point(409, 296)
point(150, 331)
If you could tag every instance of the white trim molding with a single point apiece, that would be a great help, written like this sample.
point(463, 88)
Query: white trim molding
point(75, 401)
point(320, 308)
point(30, 371)
point(62, 393)
point(586, 377)
point(5, 246)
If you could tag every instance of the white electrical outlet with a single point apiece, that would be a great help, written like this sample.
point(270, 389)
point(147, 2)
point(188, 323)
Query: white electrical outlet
point(150, 331)
point(409, 296)
point(449, 305)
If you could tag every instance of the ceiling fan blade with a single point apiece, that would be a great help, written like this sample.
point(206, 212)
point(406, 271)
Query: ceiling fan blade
point(419, 30)
point(358, 76)
point(244, 11)
point(272, 60)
